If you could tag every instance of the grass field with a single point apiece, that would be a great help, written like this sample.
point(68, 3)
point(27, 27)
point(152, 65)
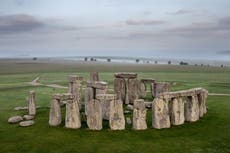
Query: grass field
point(210, 134)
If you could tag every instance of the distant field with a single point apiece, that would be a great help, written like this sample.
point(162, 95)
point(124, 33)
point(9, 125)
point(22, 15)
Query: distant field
point(210, 134)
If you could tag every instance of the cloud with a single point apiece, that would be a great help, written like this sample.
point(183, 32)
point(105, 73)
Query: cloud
point(144, 22)
point(225, 22)
point(182, 12)
point(18, 23)
point(225, 52)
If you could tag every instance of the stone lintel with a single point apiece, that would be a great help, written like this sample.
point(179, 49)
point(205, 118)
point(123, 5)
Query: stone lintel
point(68, 96)
point(56, 96)
point(148, 80)
point(74, 78)
point(183, 93)
point(106, 96)
point(97, 84)
point(126, 75)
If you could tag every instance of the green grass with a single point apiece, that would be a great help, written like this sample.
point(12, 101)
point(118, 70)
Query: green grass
point(210, 134)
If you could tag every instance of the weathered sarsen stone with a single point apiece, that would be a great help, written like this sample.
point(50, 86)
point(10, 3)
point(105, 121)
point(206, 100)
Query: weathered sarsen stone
point(131, 86)
point(94, 115)
point(119, 88)
point(72, 119)
point(139, 115)
point(75, 88)
point(160, 114)
point(55, 110)
point(105, 100)
point(94, 76)
point(159, 87)
point(142, 89)
point(116, 117)
point(177, 111)
point(31, 103)
point(91, 91)
point(202, 102)
point(26, 123)
point(192, 109)
point(15, 119)
point(132, 90)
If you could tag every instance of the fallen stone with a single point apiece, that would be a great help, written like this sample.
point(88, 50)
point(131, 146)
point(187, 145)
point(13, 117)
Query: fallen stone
point(15, 119)
point(26, 123)
point(148, 104)
point(129, 107)
point(18, 108)
point(127, 112)
point(128, 120)
point(28, 117)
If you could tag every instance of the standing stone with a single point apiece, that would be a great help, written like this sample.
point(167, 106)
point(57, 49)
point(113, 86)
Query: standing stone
point(89, 93)
point(177, 111)
point(94, 76)
point(160, 114)
point(139, 115)
point(142, 89)
point(159, 88)
point(202, 103)
point(75, 88)
point(105, 100)
point(94, 115)
point(72, 119)
point(192, 109)
point(119, 88)
point(103, 91)
point(132, 90)
point(31, 103)
point(55, 110)
point(116, 117)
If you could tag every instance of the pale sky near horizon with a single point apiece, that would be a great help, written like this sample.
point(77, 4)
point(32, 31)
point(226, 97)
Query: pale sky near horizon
point(197, 29)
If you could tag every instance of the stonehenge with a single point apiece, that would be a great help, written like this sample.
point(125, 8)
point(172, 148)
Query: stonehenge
point(126, 105)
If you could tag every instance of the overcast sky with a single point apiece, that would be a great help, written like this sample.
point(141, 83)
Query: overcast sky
point(197, 29)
